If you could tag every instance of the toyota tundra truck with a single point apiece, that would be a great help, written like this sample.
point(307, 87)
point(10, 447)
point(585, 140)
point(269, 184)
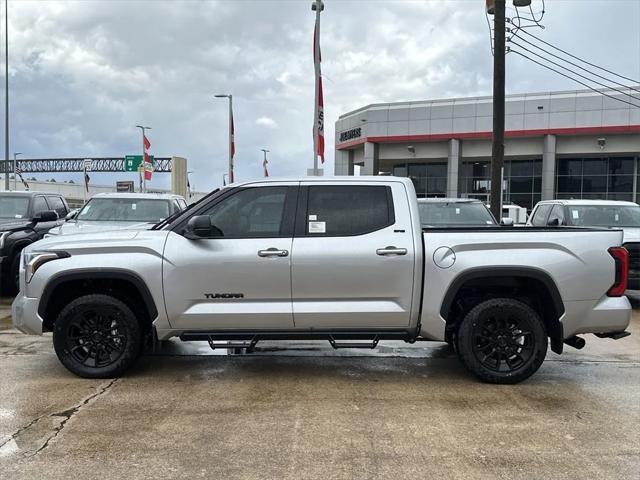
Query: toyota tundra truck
point(341, 259)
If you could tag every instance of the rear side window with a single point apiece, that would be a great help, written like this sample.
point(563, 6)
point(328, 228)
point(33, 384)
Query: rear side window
point(55, 203)
point(345, 210)
point(540, 215)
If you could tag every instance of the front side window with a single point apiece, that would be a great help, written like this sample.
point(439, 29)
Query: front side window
point(557, 213)
point(343, 210)
point(39, 205)
point(604, 216)
point(250, 213)
point(55, 203)
point(103, 209)
point(13, 206)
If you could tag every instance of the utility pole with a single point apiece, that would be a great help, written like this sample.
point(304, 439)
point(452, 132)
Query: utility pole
point(232, 147)
point(497, 148)
point(6, 94)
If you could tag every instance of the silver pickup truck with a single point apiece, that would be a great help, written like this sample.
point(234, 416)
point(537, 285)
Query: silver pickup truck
point(341, 259)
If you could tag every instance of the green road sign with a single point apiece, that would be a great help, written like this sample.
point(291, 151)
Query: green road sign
point(133, 162)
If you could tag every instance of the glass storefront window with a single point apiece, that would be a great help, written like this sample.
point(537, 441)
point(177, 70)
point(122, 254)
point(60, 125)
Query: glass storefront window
point(593, 178)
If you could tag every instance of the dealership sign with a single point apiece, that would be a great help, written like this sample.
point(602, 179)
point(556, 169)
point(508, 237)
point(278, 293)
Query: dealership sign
point(350, 134)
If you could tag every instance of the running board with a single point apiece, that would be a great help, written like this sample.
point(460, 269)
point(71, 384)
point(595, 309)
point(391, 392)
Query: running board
point(336, 345)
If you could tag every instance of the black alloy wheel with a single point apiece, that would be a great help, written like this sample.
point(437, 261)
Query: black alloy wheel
point(97, 336)
point(502, 340)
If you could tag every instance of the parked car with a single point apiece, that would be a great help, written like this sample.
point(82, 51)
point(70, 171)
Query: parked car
point(25, 217)
point(340, 259)
point(112, 211)
point(452, 212)
point(596, 213)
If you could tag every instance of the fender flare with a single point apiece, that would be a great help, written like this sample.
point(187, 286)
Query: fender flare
point(556, 333)
point(103, 273)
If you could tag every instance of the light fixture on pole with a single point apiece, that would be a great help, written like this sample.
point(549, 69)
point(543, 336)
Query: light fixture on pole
point(141, 171)
point(231, 134)
point(15, 170)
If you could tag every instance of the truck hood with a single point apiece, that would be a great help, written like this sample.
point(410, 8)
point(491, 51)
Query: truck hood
point(631, 234)
point(13, 224)
point(74, 227)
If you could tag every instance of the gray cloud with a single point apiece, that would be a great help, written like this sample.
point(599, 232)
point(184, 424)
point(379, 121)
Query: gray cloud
point(84, 73)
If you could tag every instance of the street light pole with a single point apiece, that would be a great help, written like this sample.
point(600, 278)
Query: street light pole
point(231, 134)
point(6, 93)
point(497, 148)
point(15, 170)
point(143, 180)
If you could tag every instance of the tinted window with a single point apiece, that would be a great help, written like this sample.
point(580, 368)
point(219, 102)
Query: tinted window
point(604, 215)
point(39, 205)
point(540, 214)
point(557, 213)
point(338, 210)
point(250, 213)
point(55, 203)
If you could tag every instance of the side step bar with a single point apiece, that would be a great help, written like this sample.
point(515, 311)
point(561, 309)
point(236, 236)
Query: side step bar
point(249, 340)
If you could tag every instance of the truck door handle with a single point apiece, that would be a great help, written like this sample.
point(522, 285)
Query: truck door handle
point(273, 252)
point(391, 251)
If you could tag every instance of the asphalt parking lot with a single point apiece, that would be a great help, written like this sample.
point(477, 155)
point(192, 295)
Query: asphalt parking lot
point(309, 412)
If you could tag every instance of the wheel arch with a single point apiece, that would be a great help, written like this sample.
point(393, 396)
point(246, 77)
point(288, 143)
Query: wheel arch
point(125, 285)
point(489, 281)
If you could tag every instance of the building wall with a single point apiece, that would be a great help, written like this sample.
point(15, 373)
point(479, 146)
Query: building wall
point(544, 133)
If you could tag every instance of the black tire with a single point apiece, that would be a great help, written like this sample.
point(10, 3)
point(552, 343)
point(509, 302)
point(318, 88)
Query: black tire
point(502, 341)
point(97, 336)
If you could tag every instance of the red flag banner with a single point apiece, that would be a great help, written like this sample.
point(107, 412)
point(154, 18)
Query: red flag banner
point(148, 166)
point(319, 101)
point(147, 143)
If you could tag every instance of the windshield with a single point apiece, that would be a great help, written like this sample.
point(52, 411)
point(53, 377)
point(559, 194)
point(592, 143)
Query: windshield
point(124, 210)
point(454, 213)
point(14, 207)
point(604, 216)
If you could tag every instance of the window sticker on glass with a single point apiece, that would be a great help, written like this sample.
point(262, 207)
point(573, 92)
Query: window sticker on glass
point(134, 206)
point(457, 211)
point(317, 227)
point(313, 217)
point(574, 214)
point(617, 215)
point(18, 216)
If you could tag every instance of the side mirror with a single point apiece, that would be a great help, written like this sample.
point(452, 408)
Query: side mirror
point(71, 215)
point(506, 222)
point(554, 222)
point(46, 216)
point(200, 227)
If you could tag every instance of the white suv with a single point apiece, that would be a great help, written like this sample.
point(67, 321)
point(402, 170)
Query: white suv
point(596, 213)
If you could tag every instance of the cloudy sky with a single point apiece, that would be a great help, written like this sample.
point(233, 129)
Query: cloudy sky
point(84, 73)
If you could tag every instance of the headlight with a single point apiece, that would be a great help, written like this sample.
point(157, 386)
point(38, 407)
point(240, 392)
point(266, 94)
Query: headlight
point(32, 261)
point(3, 236)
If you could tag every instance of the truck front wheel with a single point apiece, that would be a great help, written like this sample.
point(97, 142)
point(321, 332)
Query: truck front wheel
point(502, 340)
point(97, 336)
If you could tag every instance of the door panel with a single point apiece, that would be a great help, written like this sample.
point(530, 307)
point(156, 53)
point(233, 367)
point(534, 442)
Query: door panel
point(240, 279)
point(196, 269)
point(351, 281)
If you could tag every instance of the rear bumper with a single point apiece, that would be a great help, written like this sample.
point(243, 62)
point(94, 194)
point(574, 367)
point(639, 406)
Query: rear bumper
point(24, 312)
point(609, 314)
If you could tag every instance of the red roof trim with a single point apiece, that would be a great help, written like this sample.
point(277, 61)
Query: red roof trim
point(487, 135)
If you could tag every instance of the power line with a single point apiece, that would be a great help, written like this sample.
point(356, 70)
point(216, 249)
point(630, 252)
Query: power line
point(575, 80)
point(580, 59)
point(576, 73)
point(574, 64)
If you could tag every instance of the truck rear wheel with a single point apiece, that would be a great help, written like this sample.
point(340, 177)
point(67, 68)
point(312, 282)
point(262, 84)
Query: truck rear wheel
point(97, 336)
point(502, 340)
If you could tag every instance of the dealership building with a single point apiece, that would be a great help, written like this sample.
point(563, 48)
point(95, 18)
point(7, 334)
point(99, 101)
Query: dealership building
point(571, 144)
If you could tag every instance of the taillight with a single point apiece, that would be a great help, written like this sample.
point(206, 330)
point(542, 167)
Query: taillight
point(621, 257)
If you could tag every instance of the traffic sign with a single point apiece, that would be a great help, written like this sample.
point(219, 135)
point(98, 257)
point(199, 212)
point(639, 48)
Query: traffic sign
point(133, 162)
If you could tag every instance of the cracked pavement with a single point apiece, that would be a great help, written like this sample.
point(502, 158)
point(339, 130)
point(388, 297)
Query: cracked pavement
point(310, 412)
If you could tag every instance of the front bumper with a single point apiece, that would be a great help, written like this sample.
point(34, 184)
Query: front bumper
point(24, 312)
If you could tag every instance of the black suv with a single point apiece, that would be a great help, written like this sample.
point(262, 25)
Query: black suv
point(24, 218)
